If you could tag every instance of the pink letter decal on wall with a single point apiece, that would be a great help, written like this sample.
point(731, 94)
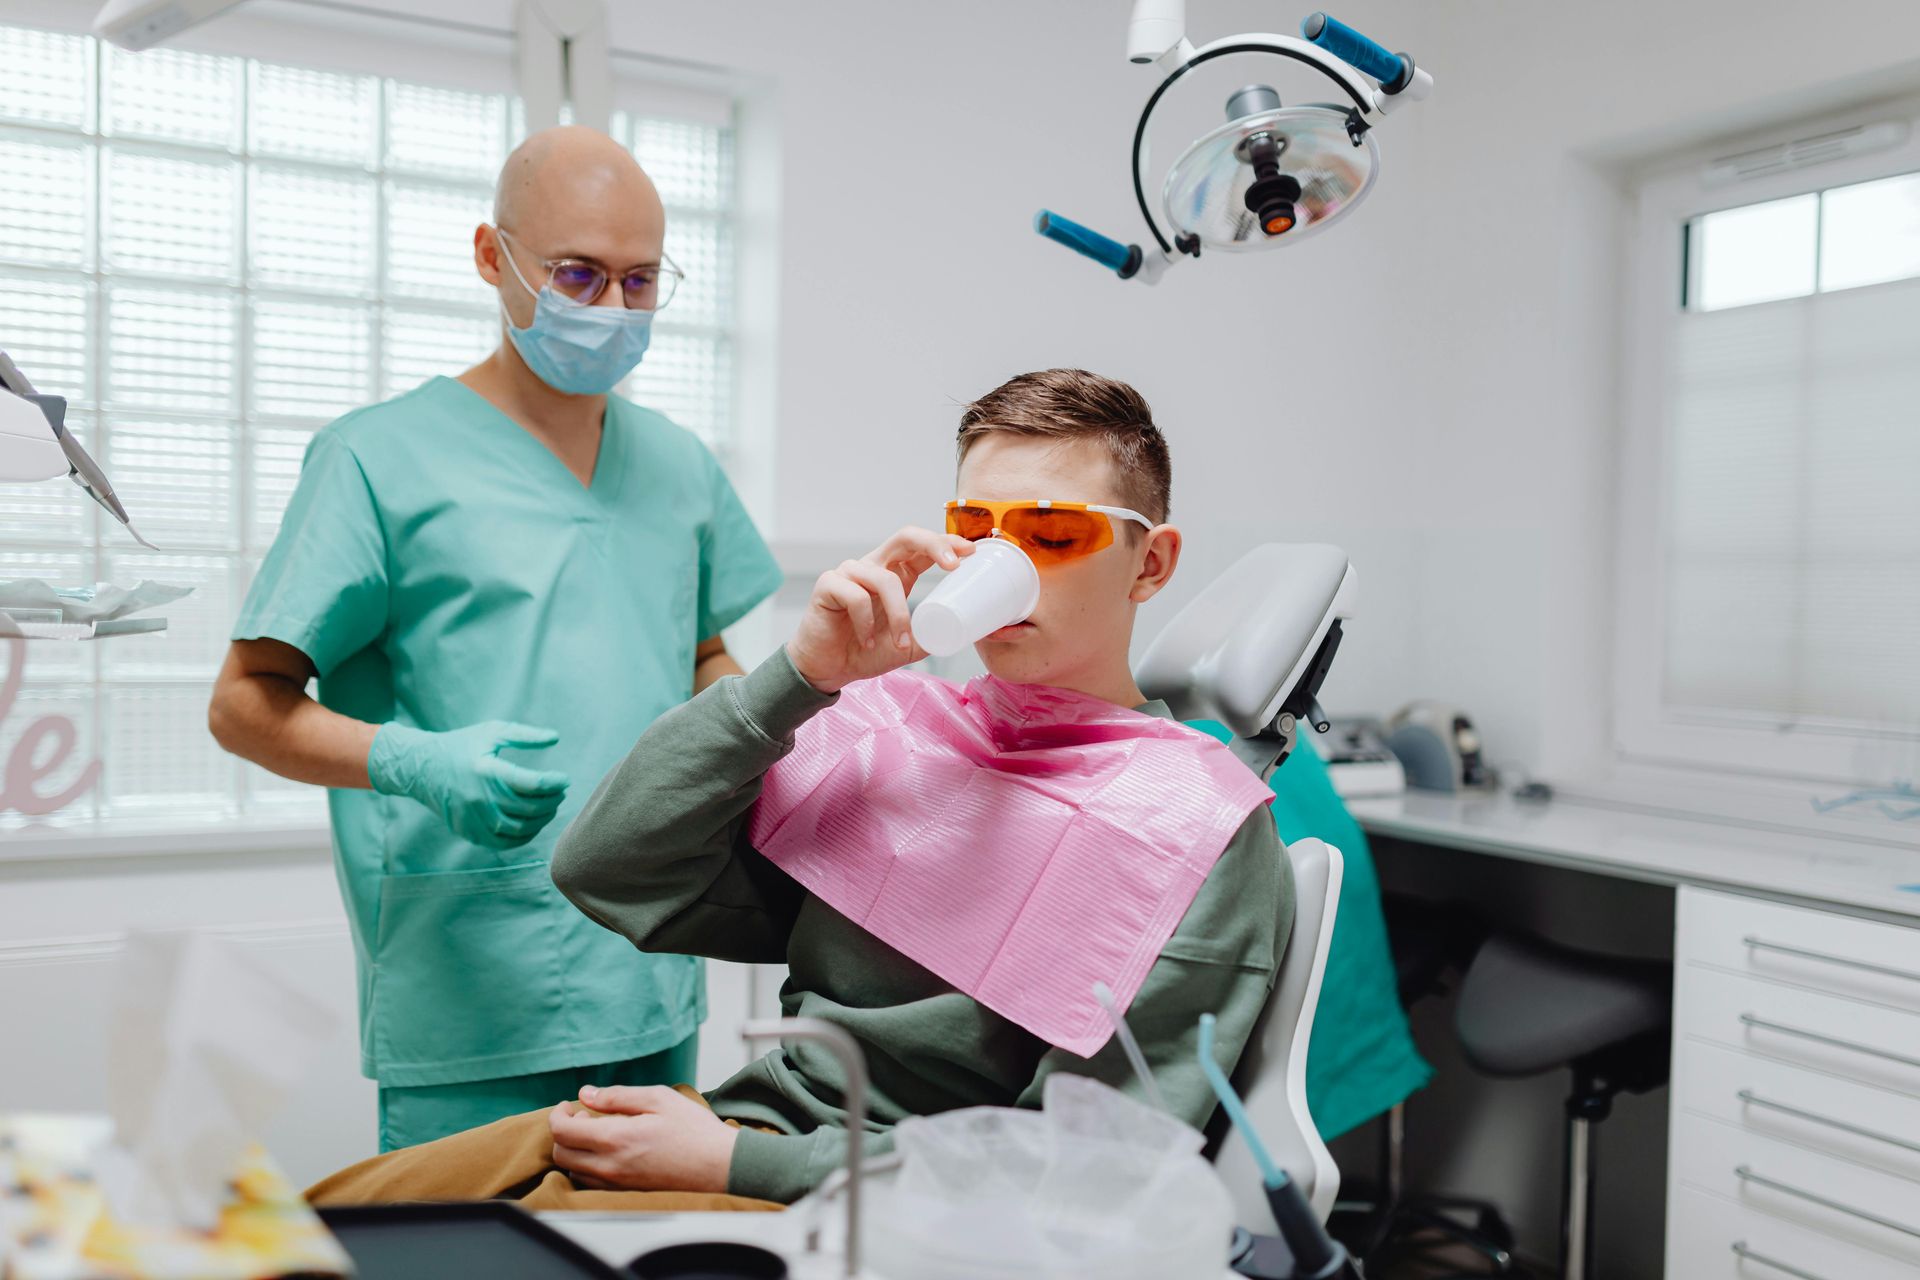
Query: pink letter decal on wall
point(27, 765)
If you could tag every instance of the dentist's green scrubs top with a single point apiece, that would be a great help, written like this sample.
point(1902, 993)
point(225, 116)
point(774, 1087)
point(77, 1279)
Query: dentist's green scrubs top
point(441, 567)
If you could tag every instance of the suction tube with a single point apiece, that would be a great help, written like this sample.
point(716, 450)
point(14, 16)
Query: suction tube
point(1123, 259)
point(1394, 71)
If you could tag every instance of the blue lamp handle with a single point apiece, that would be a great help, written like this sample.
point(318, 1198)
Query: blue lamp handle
point(1121, 258)
point(1348, 45)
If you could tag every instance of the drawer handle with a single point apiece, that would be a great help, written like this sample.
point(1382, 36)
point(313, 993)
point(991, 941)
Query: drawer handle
point(1760, 944)
point(1888, 1054)
point(1751, 1098)
point(1740, 1247)
point(1747, 1175)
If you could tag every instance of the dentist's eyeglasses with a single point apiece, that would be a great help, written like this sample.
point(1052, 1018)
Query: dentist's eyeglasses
point(583, 280)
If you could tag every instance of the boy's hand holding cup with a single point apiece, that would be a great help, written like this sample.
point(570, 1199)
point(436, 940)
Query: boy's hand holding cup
point(857, 624)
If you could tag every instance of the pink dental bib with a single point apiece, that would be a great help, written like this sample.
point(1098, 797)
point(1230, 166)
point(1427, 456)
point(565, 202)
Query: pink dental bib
point(1020, 841)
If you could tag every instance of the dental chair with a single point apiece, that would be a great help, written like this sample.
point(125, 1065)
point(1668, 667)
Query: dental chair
point(1251, 651)
point(1271, 1076)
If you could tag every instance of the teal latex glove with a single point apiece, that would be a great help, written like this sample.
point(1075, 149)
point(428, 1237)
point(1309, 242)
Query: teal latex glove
point(460, 776)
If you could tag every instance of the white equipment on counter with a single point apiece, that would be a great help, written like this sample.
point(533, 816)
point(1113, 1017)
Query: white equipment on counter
point(1439, 748)
point(1357, 759)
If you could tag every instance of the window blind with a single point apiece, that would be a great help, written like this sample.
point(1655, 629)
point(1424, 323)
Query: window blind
point(1793, 508)
point(213, 256)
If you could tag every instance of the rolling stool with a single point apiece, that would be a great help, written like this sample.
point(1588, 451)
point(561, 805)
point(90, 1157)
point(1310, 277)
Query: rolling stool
point(1528, 1006)
point(1431, 941)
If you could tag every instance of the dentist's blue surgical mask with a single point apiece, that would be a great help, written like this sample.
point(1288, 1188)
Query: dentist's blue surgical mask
point(578, 349)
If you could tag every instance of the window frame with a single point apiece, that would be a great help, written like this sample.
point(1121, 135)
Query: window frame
point(1650, 738)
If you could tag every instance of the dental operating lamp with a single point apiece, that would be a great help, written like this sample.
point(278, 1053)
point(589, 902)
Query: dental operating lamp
point(1273, 174)
point(35, 444)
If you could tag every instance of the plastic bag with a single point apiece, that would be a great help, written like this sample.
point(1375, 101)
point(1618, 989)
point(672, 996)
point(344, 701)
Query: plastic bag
point(101, 603)
point(1096, 1184)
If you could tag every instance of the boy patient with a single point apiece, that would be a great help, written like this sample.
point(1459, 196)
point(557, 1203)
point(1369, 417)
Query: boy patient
point(664, 854)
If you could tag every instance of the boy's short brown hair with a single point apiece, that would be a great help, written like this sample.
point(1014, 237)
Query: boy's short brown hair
point(1072, 404)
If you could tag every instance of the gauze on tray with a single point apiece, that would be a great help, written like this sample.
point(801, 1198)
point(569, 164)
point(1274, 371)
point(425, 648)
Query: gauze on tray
point(101, 603)
point(1020, 841)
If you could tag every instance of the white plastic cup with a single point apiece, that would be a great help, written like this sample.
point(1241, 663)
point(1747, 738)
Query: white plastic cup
point(994, 587)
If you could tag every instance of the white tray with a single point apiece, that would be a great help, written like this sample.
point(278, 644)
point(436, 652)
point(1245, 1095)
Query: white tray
point(79, 630)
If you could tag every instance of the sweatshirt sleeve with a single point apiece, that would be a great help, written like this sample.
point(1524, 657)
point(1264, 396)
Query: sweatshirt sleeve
point(660, 854)
point(786, 1166)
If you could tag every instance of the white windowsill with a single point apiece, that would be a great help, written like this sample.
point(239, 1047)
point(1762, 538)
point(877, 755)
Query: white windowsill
point(132, 838)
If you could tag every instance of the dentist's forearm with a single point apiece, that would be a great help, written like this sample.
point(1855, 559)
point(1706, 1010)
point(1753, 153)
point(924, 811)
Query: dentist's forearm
point(711, 661)
point(276, 725)
point(267, 717)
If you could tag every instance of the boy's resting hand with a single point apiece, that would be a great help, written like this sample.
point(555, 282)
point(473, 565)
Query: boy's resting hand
point(651, 1138)
point(856, 625)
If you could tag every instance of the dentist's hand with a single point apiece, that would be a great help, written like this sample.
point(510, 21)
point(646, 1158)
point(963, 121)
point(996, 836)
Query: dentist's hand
point(460, 776)
point(855, 626)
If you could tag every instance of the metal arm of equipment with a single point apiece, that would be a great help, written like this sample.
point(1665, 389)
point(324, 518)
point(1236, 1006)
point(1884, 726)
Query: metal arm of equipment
point(853, 1066)
point(36, 445)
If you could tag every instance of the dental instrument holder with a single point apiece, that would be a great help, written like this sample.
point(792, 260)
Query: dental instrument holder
point(847, 1052)
point(1303, 1250)
point(1374, 81)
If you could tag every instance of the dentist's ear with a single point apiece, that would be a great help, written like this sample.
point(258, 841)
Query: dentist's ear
point(1161, 555)
point(486, 253)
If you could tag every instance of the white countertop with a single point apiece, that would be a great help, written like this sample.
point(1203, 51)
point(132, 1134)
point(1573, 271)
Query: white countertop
point(1880, 877)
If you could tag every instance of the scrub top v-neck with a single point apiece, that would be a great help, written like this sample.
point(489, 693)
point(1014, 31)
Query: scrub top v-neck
point(441, 566)
point(543, 466)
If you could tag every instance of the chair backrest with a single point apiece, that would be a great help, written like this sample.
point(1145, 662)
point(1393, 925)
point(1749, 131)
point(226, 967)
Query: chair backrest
point(1272, 1074)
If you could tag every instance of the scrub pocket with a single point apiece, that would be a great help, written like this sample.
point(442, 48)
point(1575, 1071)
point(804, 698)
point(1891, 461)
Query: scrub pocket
point(467, 965)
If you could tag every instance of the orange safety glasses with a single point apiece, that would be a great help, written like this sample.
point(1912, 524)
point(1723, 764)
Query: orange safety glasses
point(1050, 532)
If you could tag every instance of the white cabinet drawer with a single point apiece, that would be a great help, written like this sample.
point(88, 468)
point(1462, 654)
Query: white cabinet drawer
point(1854, 1121)
point(1861, 958)
point(1851, 1038)
point(1856, 1205)
point(1704, 1232)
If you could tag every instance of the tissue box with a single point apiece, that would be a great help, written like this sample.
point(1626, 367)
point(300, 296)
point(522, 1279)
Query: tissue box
point(54, 1224)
